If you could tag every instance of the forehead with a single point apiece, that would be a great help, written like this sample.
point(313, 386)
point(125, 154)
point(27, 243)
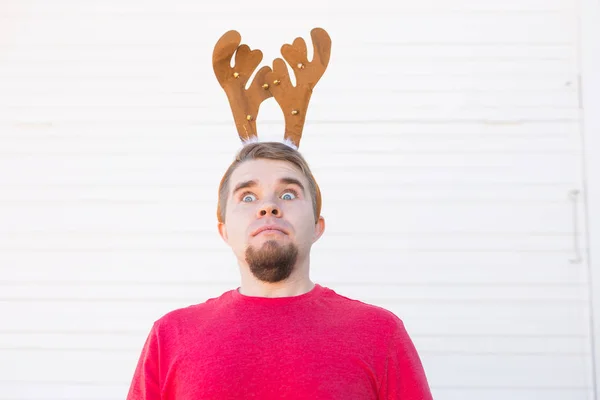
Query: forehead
point(265, 172)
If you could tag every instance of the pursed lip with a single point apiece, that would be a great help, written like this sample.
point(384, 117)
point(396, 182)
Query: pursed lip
point(268, 228)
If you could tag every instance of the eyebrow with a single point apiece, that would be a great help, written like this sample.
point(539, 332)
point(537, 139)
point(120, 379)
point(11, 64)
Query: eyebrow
point(292, 181)
point(252, 183)
point(244, 185)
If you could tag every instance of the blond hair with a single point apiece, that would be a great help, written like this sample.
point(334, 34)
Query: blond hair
point(270, 151)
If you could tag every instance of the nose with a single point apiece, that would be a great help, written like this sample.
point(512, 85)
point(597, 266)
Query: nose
point(269, 209)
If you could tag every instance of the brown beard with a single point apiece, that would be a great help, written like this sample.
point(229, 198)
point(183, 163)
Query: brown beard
point(272, 262)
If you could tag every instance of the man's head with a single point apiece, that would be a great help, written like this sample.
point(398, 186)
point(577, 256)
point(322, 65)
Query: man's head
point(270, 185)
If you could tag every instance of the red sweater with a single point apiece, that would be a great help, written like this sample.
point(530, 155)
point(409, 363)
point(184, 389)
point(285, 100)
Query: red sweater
point(318, 345)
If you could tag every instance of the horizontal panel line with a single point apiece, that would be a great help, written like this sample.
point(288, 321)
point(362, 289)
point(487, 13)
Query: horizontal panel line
point(380, 11)
point(429, 185)
point(27, 134)
point(551, 51)
point(334, 285)
point(195, 44)
point(144, 331)
point(487, 75)
point(143, 299)
point(108, 60)
point(80, 107)
point(357, 153)
point(534, 74)
point(103, 131)
point(67, 349)
point(55, 132)
point(465, 353)
point(496, 336)
point(340, 284)
point(101, 60)
point(508, 388)
point(425, 121)
point(518, 76)
point(126, 202)
point(495, 122)
point(195, 232)
point(338, 123)
point(201, 250)
point(505, 388)
point(109, 284)
point(415, 43)
point(191, 233)
point(449, 353)
point(334, 234)
point(77, 332)
point(160, 234)
point(345, 166)
point(68, 383)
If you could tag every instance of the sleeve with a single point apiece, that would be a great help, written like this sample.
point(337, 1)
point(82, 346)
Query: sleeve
point(145, 383)
point(404, 377)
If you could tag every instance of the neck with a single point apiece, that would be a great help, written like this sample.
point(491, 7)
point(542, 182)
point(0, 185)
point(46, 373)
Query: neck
point(298, 283)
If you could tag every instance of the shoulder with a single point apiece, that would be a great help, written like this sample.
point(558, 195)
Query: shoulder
point(191, 314)
point(366, 314)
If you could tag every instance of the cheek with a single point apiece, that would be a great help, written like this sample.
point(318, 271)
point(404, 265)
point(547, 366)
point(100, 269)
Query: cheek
point(306, 225)
point(239, 219)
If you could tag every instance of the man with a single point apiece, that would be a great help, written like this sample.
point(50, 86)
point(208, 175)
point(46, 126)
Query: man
point(279, 335)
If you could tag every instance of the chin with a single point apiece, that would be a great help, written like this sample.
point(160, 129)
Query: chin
point(271, 261)
point(264, 238)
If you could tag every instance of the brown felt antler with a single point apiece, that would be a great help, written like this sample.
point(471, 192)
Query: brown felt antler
point(268, 82)
point(244, 102)
point(294, 100)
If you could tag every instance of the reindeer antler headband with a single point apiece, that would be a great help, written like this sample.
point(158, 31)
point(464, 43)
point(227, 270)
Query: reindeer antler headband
point(268, 82)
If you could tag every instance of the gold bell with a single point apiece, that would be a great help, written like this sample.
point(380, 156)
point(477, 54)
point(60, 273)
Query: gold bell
point(300, 65)
point(265, 86)
point(276, 82)
point(294, 112)
point(236, 75)
point(249, 117)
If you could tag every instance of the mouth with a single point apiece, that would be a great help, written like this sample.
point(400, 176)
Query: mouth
point(269, 229)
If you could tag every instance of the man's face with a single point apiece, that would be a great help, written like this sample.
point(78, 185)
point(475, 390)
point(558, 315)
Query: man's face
point(269, 220)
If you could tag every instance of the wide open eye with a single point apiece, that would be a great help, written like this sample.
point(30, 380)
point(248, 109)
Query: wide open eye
point(248, 197)
point(289, 195)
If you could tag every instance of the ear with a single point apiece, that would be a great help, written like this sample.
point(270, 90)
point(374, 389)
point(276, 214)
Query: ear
point(319, 229)
point(223, 231)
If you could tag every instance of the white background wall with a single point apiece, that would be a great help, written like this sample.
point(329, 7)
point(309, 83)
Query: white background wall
point(446, 136)
point(590, 71)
